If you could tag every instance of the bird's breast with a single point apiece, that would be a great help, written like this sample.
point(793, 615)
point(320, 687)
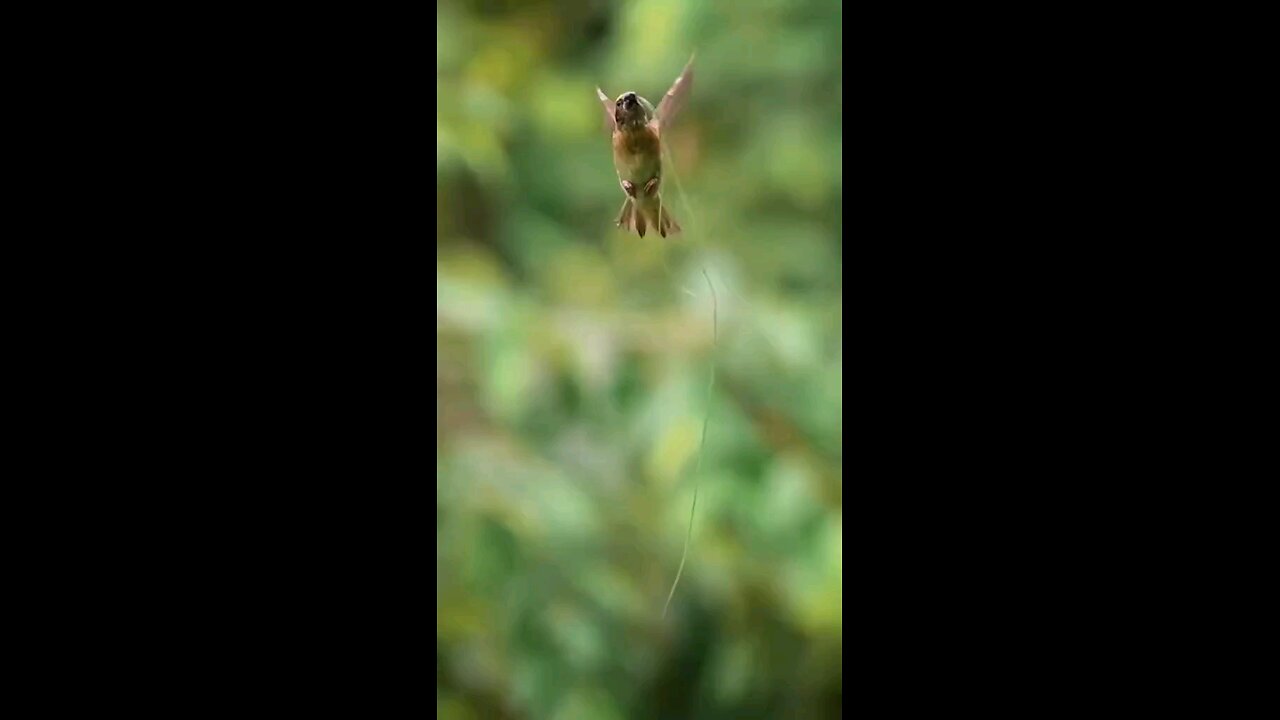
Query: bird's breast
point(637, 153)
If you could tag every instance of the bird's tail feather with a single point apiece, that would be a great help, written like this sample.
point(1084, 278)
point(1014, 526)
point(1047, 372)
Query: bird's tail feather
point(648, 215)
point(625, 215)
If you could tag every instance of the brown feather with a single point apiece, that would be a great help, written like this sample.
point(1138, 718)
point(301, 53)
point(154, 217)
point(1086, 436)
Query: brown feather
point(675, 98)
point(627, 144)
point(637, 154)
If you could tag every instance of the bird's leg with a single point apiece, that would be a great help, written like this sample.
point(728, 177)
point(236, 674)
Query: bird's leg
point(628, 188)
point(651, 187)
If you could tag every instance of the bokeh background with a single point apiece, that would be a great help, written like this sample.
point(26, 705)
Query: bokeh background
point(573, 365)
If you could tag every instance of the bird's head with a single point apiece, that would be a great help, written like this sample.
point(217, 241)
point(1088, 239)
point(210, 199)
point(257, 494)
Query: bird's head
point(631, 110)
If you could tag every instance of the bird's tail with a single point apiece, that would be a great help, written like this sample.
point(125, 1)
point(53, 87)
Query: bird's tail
point(640, 216)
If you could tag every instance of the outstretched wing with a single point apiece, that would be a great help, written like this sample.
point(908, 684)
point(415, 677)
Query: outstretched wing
point(609, 123)
point(671, 103)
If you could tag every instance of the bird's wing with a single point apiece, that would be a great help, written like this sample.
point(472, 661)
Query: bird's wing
point(671, 103)
point(609, 123)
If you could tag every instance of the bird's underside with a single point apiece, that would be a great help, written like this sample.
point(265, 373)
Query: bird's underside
point(643, 208)
point(636, 129)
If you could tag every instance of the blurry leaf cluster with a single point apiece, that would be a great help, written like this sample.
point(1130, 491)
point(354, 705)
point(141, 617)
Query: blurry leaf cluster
point(572, 365)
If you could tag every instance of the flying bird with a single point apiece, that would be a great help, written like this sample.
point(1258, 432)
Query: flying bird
point(637, 129)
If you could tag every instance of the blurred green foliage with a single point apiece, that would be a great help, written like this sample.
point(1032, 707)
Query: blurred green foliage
point(572, 365)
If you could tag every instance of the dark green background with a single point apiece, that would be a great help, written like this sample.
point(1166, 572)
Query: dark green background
point(572, 366)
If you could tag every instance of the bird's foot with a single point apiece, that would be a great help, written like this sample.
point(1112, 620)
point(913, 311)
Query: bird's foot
point(628, 188)
point(651, 187)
